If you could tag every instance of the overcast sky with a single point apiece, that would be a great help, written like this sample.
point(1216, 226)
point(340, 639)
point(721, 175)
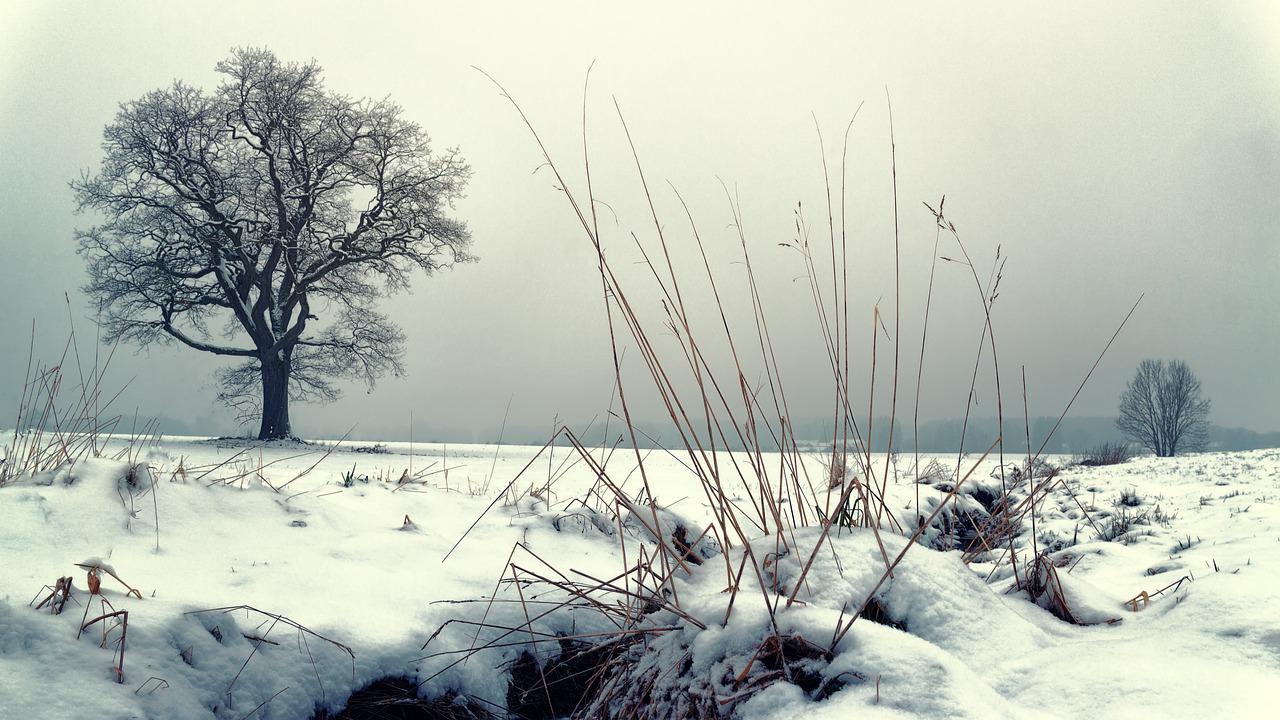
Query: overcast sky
point(1109, 149)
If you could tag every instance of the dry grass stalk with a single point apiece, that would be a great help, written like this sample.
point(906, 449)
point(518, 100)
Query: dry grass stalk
point(59, 594)
point(123, 624)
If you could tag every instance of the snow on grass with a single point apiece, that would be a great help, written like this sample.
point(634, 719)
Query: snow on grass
point(341, 562)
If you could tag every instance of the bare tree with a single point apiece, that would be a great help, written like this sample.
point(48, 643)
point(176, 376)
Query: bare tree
point(1162, 408)
point(234, 219)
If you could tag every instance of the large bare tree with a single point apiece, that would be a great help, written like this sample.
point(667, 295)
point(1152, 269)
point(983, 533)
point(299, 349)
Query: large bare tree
point(232, 221)
point(1163, 410)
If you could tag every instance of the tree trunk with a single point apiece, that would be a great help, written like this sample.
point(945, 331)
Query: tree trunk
point(275, 397)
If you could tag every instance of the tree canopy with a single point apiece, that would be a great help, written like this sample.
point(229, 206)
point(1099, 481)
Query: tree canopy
point(233, 221)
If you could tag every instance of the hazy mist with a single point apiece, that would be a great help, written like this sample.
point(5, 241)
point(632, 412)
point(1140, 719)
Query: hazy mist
point(1108, 151)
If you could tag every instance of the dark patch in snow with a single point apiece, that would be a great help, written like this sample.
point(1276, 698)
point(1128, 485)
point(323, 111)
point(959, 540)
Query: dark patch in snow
point(557, 688)
point(877, 613)
point(681, 539)
point(986, 498)
point(800, 662)
point(396, 698)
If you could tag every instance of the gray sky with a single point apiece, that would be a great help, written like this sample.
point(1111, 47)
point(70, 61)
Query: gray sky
point(1110, 151)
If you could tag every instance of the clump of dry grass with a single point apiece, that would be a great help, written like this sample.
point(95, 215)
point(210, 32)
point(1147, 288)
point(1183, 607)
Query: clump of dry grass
point(758, 495)
point(934, 473)
point(1111, 453)
point(57, 423)
point(64, 414)
point(1045, 589)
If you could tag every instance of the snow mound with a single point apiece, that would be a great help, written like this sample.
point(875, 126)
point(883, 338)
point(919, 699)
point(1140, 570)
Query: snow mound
point(932, 619)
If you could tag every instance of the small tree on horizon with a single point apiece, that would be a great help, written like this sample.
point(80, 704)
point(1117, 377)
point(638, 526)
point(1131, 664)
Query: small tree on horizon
point(233, 220)
point(1162, 408)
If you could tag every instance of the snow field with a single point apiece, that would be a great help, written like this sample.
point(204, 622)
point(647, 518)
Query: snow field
point(341, 561)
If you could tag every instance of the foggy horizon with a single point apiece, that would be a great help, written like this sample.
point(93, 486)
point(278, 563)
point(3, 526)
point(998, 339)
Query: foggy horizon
point(1147, 166)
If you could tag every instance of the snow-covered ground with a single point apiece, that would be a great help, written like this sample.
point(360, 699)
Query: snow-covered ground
point(321, 548)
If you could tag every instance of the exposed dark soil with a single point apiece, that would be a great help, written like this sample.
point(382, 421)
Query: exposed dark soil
point(396, 698)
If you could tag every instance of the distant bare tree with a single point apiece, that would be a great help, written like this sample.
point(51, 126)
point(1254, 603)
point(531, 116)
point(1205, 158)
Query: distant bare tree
point(233, 220)
point(1162, 408)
